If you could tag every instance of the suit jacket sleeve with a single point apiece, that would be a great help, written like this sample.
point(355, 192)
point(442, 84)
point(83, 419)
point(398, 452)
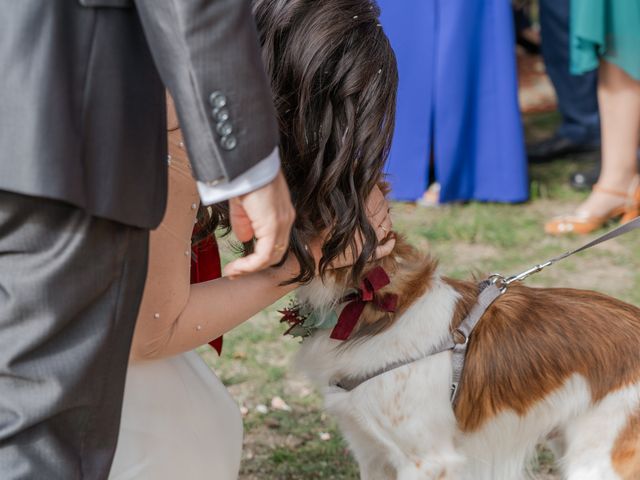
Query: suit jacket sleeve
point(208, 55)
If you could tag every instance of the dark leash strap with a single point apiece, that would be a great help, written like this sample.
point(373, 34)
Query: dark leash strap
point(490, 290)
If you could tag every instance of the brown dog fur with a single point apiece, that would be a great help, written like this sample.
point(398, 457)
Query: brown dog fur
point(528, 342)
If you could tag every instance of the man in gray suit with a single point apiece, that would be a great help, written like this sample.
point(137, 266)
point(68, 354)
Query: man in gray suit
point(82, 180)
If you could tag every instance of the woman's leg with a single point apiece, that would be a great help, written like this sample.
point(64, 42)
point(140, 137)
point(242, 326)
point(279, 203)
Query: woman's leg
point(619, 97)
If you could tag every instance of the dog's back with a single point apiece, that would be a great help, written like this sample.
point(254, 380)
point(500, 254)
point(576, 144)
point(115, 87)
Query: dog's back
point(540, 361)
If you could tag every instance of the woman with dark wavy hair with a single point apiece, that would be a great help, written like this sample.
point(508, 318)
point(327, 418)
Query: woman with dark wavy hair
point(334, 79)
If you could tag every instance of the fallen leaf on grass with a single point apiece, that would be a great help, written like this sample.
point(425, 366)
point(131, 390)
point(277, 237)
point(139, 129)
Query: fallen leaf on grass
point(278, 403)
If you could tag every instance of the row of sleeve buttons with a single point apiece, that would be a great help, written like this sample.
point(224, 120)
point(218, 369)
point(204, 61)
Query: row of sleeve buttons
point(222, 118)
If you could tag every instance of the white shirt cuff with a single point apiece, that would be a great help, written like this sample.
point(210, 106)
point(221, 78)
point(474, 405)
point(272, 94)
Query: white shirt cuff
point(257, 176)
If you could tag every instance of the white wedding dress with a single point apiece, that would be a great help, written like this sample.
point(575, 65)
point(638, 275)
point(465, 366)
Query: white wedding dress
point(178, 422)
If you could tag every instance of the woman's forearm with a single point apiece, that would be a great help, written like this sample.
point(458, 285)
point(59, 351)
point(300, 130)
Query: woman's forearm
point(211, 309)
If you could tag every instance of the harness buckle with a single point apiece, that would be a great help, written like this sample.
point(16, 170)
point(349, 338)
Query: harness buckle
point(459, 334)
point(499, 281)
point(454, 391)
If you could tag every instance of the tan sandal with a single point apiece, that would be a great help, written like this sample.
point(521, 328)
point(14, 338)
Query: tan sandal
point(582, 223)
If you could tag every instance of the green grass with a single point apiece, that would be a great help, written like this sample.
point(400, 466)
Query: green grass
point(467, 239)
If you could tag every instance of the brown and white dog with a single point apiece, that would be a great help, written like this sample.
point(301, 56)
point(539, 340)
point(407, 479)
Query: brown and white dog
point(541, 362)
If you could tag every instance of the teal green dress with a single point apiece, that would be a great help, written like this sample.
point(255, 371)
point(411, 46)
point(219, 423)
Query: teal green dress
point(608, 30)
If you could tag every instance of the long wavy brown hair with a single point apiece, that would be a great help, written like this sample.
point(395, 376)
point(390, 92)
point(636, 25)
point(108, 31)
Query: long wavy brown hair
point(334, 81)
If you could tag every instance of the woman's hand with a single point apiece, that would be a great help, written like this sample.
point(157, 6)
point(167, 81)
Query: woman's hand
point(378, 213)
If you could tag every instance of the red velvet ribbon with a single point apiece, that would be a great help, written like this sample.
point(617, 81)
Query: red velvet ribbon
point(205, 266)
point(372, 282)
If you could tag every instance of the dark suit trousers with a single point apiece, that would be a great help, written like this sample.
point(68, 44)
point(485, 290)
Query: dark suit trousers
point(70, 289)
point(577, 94)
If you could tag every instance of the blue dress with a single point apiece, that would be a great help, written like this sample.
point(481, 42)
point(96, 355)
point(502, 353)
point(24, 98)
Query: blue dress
point(457, 99)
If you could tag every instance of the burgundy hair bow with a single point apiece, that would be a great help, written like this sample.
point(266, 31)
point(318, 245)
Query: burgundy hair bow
point(372, 282)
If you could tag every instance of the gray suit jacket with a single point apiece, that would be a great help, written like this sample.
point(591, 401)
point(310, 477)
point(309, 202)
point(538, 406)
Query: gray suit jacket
point(82, 105)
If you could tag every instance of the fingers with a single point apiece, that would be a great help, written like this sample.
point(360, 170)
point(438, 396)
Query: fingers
point(382, 224)
point(347, 259)
point(378, 213)
point(384, 228)
point(385, 248)
point(271, 245)
point(377, 204)
point(267, 252)
point(262, 257)
point(240, 222)
point(268, 215)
